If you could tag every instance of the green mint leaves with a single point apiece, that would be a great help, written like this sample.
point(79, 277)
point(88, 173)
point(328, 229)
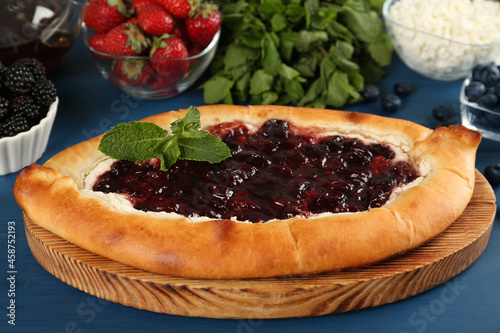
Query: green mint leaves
point(139, 141)
point(305, 52)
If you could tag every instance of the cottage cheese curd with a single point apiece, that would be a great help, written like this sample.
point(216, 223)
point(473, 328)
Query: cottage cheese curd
point(444, 39)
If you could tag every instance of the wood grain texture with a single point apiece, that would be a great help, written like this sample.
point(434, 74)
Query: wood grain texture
point(394, 279)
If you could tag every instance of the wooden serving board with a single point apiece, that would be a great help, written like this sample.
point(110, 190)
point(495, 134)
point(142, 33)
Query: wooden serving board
point(397, 278)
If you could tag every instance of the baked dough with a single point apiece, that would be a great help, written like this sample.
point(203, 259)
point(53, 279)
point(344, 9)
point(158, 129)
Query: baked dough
point(53, 196)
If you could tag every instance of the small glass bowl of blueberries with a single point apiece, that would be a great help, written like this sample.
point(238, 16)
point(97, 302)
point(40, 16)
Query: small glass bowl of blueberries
point(480, 100)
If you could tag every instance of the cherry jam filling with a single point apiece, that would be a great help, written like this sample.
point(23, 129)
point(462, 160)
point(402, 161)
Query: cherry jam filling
point(275, 173)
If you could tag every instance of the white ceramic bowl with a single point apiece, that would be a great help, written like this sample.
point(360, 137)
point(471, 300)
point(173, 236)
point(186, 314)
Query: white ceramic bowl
point(25, 148)
point(432, 55)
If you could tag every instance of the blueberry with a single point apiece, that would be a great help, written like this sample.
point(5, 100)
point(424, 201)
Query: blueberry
point(492, 174)
point(495, 90)
point(390, 103)
point(371, 93)
point(474, 90)
point(488, 74)
point(403, 89)
point(443, 112)
point(488, 101)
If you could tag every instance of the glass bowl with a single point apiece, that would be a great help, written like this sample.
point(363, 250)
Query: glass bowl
point(433, 56)
point(154, 86)
point(25, 148)
point(39, 29)
point(479, 118)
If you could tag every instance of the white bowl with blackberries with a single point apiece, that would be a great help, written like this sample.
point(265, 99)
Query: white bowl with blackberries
point(28, 106)
point(480, 100)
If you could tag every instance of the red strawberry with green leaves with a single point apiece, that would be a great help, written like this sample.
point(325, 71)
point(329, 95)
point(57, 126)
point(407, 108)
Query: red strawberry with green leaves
point(103, 15)
point(126, 39)
point(203, 24)
point(132, 72)
point(155, 20)
point(179, 8)
point(139, 5)
point(167, 48)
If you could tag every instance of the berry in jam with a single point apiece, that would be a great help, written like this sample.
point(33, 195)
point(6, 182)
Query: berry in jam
point(275, 173)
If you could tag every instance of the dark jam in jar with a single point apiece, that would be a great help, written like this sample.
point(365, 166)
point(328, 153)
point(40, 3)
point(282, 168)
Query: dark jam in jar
point(275, 173)
point(26, 32)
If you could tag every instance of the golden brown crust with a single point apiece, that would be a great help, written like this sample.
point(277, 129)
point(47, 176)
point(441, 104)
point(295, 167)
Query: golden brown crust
point(221, 249)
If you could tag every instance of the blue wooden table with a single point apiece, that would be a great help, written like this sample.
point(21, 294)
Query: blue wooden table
point(89, 105)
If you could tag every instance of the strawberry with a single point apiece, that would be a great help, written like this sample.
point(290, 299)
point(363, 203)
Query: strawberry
point(139, 5)
point(169, 47)
point(155, 20)
point(132, 72)
point(194, 49)
point(102, 15)
point(125, 39)
point(159, 82)
point(178, 8)
point(180, 31)
point(96, 41)
point(204, 24)
point(133, 20)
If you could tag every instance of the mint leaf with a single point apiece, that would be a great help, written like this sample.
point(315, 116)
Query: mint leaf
point(287, 44)
point(238, 55)
point(216, 89)
point(271, 60)
point(365, 25)
point(268, 8)
point(312, 8)
point(261, 81)
point(134, 141)
point(189, 125)
point(309, 40)
point(168, 152)
point(210, 149)
point(380, 50)
point(339, 84)
point(278, 22)
point(139, 141)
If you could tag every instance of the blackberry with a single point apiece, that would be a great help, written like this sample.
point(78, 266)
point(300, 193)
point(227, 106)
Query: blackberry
point(19, 79)
point(15, 125)
point(28, 108)
point(3, 70)
point(44, 92)
point(4, 108)
point(36, 67)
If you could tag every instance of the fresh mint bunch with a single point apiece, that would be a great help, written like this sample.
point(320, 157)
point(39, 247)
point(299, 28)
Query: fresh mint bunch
point(304, 52)
point(140, 141)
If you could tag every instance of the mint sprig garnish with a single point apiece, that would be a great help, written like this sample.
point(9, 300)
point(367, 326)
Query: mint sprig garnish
point(139, 141)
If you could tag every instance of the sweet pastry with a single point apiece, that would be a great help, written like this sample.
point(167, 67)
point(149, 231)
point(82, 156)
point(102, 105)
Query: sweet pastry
point(379, 187)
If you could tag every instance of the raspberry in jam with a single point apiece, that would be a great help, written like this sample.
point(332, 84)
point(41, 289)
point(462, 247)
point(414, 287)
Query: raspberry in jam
point(276, 173)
